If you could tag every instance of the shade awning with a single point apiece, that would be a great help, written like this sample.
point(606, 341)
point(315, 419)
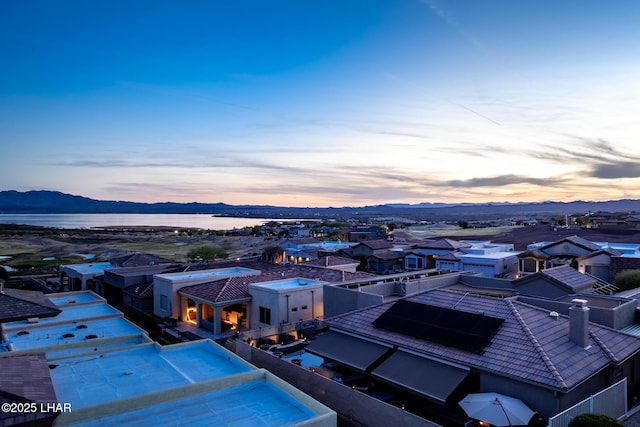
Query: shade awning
point(425, 376)
point(356, 353)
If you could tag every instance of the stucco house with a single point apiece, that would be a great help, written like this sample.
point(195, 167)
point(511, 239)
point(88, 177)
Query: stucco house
point(471, 343)
point(602, 260)
point(484, 257)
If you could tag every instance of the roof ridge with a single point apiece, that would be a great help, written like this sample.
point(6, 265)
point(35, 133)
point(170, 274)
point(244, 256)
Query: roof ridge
point(222, 289)
point(545, 358)
point(603, 346)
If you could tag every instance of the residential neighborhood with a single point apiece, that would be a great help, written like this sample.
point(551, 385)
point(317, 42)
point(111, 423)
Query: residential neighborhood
point(412, 325)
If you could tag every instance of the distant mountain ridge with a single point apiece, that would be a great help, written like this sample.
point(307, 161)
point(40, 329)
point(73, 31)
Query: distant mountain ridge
point(54, 202)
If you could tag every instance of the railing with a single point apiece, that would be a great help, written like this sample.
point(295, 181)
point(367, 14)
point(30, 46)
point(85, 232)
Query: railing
point(611, 401)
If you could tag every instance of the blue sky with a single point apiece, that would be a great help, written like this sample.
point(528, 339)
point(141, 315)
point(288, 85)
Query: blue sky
point(322, 103)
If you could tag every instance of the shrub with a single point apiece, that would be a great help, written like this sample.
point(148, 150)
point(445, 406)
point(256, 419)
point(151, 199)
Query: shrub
point(627, 279)
point(594, 420)
point(206, 253)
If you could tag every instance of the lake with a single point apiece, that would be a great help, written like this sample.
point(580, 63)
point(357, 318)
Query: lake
point(74, 221)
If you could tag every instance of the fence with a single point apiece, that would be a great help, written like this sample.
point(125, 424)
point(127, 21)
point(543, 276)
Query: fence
point(611, 401)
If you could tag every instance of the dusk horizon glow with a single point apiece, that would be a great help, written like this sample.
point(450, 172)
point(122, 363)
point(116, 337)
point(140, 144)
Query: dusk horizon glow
point(322, 104)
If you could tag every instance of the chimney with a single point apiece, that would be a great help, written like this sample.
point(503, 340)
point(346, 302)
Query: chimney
point(579, 322)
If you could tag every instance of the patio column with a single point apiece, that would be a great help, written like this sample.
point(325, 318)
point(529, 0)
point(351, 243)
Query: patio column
point(217, 320)
point(199, 314)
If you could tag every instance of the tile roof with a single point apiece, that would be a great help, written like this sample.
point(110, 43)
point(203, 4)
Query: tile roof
point(569, 277)
point(387, 255)
point(404, 237)
point(331, 261)
point(606, 251)
point(28, 377)
point(533, 253)
point(451, 256)
point(444, 244)
point(236, 288)
point(16, 304)
point(529, 345)
point(576, 240)
point(376, 244)
point(564, 276)
point(136, 259)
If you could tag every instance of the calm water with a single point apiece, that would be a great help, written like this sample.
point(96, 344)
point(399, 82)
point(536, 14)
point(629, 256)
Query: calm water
point(203, 221)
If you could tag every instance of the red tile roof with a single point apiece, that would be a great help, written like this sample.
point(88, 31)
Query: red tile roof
point(237, 288)
point(331, 261)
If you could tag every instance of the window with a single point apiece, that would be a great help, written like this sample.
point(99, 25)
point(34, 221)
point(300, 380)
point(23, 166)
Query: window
point(265, 315)
point(294, 309)
point(529, 265)
point(164, 302)
point(304, 307)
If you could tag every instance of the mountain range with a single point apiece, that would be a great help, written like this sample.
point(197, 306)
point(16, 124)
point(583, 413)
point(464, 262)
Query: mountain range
point(54, 202)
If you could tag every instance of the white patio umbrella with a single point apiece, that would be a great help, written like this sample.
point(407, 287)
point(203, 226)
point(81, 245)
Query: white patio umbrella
point(496, 409)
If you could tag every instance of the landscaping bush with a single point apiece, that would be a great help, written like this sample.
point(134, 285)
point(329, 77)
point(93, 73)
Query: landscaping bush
point(595, 420)
point(629, 279)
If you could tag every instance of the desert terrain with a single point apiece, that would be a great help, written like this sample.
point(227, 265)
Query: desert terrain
point(22, 246)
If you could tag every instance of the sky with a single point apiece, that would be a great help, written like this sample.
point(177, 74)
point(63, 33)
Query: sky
point(322, 102)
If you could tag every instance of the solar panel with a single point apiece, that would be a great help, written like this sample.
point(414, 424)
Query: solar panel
point(447, 326)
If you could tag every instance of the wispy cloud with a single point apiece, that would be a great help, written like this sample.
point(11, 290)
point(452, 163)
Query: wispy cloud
point(503, 180)
point(616, 170)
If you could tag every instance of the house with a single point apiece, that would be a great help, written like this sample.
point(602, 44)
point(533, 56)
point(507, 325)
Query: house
point(214, 301)
point(138, 303)
point(470, 343)
point(82, 277)
point(113, 283)
point(385, 262)
point(424, 255)
point(167, 302)
point(287, 300)
point(365, 249)
point(302, 250)
point(487, 258)
point(600, 259)
point(360, 234)
point(335, 263)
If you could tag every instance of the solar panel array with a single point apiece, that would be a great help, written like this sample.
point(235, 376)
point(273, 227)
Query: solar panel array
point(455, 328)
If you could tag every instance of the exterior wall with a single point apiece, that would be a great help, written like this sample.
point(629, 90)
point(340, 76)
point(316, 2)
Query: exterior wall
point(432, 282)
point(169, 285)
point(542, 288)
point(598, 266)
point(376, 265)
point(352, 406)
point(338, 300)
point(596, 383)
point(539, 399)
point(164, 288)
point(615, 317)
point(121, 281)
point(362, 251)
point(448, 265)
point(286, 305)
point(415, 262)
